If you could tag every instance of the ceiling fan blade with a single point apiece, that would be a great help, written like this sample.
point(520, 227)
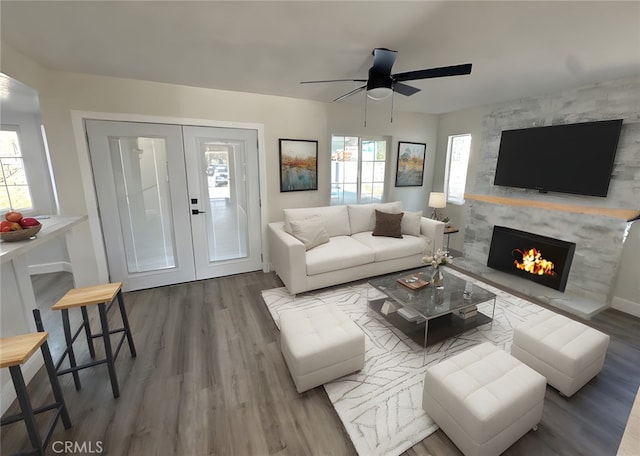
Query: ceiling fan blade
point(383, 60)
point(454, 70)
point(404, 89)
point(334, 80)
point(353, 92)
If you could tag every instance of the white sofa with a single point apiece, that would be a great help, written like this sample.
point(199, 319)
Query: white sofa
point(351, 252)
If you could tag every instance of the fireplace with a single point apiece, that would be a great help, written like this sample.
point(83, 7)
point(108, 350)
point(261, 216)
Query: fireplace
point(541, 259)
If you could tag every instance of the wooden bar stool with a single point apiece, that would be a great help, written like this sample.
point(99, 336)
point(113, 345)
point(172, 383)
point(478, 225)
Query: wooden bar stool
point(14, 352)
point(104, 296)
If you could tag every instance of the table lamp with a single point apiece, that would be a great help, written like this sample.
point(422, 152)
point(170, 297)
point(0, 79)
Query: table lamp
point(437, 200)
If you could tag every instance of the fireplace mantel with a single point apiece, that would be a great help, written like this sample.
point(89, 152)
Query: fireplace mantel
point(625, 214)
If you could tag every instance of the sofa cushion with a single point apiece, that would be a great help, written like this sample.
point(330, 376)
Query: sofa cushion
point(335, 218)
point(363, 218)
point(411, 223)
point(388, 224)
point(310, 231)
point(340, 252)
point(385, 248)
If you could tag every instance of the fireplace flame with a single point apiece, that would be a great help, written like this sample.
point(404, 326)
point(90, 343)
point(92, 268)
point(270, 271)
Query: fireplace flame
point(533, 263)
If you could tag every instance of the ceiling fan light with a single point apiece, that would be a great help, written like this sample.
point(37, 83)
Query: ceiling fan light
point(379, 93)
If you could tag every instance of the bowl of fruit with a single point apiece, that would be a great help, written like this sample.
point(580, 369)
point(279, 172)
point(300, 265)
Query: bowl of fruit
point(15, 227)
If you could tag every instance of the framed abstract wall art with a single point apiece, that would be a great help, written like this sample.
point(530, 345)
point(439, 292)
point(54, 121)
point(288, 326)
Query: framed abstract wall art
point(410, 169)
point(298, 165)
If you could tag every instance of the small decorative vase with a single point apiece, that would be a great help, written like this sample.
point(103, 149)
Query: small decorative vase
point(437, 279)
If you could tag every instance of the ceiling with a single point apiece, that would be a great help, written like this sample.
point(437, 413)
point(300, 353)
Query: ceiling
point(517, 48)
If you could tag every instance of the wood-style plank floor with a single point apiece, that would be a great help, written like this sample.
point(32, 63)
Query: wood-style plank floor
point(209, 379)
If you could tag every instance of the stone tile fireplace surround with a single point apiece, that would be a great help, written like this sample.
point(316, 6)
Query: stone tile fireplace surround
point(598, 238)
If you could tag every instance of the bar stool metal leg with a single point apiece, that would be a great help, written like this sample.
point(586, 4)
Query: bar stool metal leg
point(125, 322)
point(69, 339)
point(27, 410)
point(55, 385)
point(108, 350)
point(87, 331)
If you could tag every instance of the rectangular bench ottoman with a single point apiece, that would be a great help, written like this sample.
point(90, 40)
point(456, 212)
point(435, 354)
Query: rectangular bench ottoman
point(483, 399)
point(319, 345)
point(567, 352)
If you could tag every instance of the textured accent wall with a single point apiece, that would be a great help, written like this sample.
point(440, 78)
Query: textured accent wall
point(599, 239)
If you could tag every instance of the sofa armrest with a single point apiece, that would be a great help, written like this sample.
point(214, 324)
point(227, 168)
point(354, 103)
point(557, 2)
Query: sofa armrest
point(288, 257)
point(434, 230)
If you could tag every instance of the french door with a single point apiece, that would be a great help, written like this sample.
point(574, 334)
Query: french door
point(177, 203)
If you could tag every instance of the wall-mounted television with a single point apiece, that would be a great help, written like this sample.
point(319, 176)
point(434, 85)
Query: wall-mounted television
point(573, 158)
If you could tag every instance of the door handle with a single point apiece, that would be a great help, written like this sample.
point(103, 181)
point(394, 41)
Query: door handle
point(196, 212)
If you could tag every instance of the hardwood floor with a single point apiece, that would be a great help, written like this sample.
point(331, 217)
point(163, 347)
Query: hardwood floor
point(210, 379)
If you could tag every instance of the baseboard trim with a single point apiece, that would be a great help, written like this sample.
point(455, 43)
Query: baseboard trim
point(46, 268)
point(626, 306)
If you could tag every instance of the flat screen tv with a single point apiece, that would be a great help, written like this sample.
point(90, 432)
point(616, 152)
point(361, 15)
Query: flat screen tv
point(572, 158)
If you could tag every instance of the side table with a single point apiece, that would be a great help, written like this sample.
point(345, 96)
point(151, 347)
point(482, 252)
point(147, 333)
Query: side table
point(448, 231)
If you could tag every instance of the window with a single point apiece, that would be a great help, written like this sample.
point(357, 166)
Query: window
point(26, 180)
point(458, 150)
point(14, 187)
point(358, 169)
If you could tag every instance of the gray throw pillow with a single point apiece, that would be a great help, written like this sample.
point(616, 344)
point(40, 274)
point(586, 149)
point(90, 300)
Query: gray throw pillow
point(388, 225)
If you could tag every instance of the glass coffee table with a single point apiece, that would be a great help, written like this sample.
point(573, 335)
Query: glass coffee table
point(430, 314)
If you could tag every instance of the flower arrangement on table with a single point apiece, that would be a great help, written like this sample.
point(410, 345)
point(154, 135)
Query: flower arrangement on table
point(439, 258)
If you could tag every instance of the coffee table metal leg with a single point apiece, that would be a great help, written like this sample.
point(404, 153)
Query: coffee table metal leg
point(493, 312)
point(426, 331)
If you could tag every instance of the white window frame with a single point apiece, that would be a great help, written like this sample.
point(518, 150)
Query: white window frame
point(361, 140)
point(35, 160)
point(457, 198)
point(21, 158)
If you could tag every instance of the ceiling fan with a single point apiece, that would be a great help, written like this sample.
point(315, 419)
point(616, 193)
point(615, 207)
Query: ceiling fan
point(381, 83)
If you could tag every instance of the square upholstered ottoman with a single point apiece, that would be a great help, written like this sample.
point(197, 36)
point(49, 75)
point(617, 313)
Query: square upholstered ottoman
point(319, 345)
point(567, 352)
point(483, 399)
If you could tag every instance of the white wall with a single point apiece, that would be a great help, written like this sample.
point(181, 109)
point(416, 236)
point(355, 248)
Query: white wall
point(626, 296)
point(61, 93)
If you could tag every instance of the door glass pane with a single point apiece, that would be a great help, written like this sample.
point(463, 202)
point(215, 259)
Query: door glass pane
point(227, 230)
point(144, 202)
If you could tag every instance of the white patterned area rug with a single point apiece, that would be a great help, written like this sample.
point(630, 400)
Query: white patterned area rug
point(381, 406)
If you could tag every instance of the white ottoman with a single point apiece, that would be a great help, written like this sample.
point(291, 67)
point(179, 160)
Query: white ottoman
point(320, 345)
point(483, 399)
point(566, 352)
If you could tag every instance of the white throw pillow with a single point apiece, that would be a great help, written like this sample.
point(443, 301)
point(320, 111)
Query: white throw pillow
point(309, 231)
point(360, 217)
point(395, 207)
point(411, 223)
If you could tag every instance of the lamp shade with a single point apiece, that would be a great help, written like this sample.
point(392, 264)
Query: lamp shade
point(437, 200)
